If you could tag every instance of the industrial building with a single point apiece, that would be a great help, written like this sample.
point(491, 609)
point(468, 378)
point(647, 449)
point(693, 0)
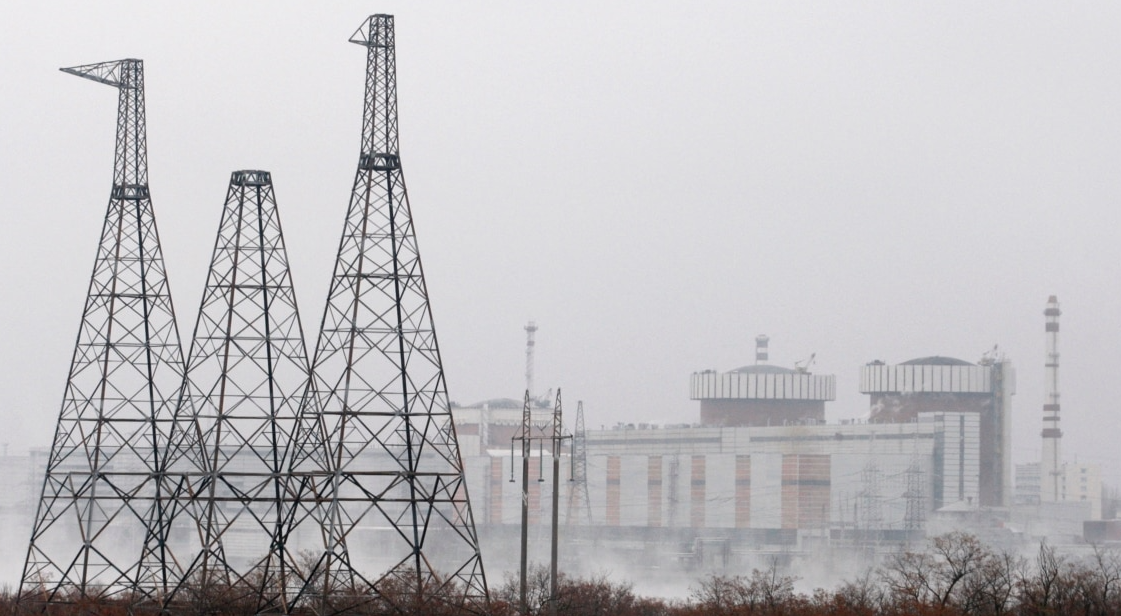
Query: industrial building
point(761, 471)
point(970, 405)
point(1077, 483)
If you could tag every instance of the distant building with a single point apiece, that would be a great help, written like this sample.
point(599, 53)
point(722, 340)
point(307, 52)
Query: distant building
point(1083, 483)
point(1077, 483)
point(1027, 484)
point(762, 471)
point(763, 467)
point(971, 406)
point(491, 424)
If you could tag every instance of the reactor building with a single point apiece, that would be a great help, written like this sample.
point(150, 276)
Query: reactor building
point(968, 405)
point(761, 394)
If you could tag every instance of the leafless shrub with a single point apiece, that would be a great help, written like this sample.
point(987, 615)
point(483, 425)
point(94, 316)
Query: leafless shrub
point(762, 592)
point(594, 596)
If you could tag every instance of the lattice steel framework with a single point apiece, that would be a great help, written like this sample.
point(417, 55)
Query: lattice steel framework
point(578, 499)
point(914, 514)
point(871, 500)
point(378, 463)
point(98, 530)
point(246, 375)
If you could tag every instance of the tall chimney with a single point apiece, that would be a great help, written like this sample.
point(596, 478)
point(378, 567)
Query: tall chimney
point(1051, 464)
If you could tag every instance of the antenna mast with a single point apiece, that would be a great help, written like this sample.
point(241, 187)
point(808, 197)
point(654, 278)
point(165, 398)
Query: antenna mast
point(530, 331)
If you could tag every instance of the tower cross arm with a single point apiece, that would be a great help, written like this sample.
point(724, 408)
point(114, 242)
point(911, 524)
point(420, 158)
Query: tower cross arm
point(111, 73)
point(376, 31)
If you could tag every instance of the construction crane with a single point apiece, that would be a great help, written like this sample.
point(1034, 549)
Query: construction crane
point(803, 366)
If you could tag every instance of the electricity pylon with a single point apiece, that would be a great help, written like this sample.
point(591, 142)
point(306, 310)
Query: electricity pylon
point(246, 374)
point(97, 532)
point(914, 516)
point(377, 463)
point(579, 504)
point(871, 510)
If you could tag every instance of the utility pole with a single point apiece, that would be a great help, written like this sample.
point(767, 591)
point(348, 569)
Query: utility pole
point(558, 438)
point(525, 437)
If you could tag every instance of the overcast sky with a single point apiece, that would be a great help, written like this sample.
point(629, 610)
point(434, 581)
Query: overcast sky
point(655, 183)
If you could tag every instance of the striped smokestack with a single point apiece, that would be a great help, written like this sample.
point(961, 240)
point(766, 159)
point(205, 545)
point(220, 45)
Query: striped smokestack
point(1051, 466)
point(761, 348)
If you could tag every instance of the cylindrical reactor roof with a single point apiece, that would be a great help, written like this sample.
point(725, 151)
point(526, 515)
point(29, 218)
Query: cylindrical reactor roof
point(762, 383)
point(926, 375)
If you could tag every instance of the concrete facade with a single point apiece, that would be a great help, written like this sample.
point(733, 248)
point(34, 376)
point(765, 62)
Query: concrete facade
point(978, 397)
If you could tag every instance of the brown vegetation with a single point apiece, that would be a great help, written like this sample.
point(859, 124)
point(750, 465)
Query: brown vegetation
point(956, 575)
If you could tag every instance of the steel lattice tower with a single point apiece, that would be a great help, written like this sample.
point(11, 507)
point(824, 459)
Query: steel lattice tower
point(914, 516)
point(246, 375)
point(578, 487)
point(871, 512)
point(378, 462)
point(98, 531)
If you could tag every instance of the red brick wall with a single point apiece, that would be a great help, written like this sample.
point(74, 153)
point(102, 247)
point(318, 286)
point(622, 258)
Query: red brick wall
point(805, 490)
point(613, 474)
point(697, 493)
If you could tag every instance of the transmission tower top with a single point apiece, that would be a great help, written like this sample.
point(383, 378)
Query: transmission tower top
point(376, 31)
point(130, 164)
point(379, 114)
point(116, 73)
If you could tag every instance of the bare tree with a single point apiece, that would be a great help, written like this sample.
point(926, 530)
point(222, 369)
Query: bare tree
point(1039, 591)
point(762, 592)
point(950, 573)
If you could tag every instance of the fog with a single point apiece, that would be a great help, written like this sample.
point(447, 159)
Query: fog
point(653, 183)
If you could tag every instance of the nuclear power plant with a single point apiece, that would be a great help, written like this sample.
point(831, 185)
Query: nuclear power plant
point(759, 472)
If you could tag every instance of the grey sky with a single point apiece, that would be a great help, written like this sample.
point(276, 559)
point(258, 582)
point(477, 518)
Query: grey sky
point(654, 183)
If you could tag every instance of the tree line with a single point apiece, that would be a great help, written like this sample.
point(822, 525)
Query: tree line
point(952, 575)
